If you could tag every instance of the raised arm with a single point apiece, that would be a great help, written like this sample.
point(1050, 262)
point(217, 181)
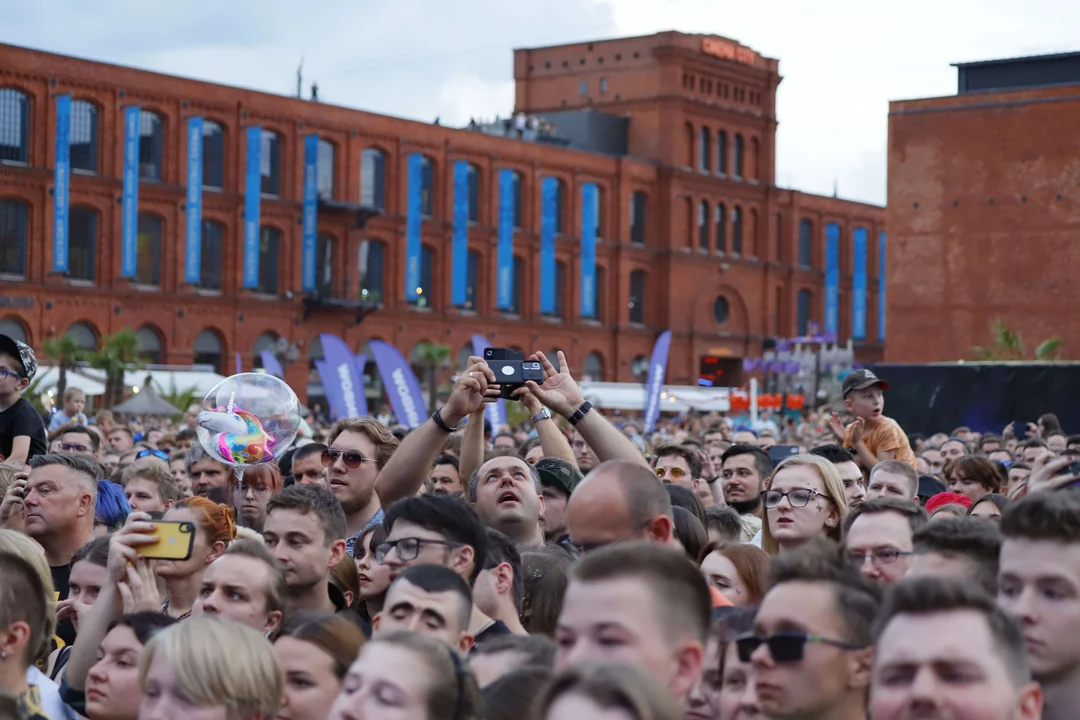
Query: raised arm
point(472, 446)
point(552, 439)
point(413, 459)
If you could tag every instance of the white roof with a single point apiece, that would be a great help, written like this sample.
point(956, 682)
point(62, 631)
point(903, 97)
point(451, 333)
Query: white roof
point(673, 398)
point(49, 376)
point(92, 381)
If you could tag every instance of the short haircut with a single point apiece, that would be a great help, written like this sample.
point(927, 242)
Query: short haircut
point(682, 604)
point(474, 479)
point(73, 392)
point(500, 549)
point(277, 588)
point(123, 429)
point(835, 454)
point(725, 521)
point(526, 447)
point(84, 466)
point(762, 463)
point(447, 516)
point(687, 500)
point(446, 460)
point(693, 462)
point(690, 532)
point(897, 467)
point(539, 650)
point(385, 441)
point(646, 497)
point(312, 499)
point(23, 597)
point(197, 454)
point(1053, 516)
point(931, 595)
point(308, 450)
point(822, 561)
point(1032, 443)
point(155, 473)
point(916, 515)
point(111, 508)
point(973, 538)
point(979, 469)
point(961, 429)
point(95, 439)
point(989, 438)
point(438, 579)
point(185, 434)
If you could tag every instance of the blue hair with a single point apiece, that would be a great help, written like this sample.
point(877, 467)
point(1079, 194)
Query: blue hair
point(112, 506)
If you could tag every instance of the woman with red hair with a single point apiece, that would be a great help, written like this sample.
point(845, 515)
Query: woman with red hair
point(254, 490)
point(215, 528)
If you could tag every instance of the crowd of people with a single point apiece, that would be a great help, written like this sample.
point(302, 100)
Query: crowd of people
point(826, 567)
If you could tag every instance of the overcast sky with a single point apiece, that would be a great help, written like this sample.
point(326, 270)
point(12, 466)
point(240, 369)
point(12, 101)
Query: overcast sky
point(842, 60)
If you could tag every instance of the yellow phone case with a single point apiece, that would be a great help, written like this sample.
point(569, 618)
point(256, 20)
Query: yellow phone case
point(175, 541)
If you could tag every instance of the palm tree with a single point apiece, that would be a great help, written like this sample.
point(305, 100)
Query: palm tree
point(119, 352)
point(1009, 346)
point(432, 357)
point(65, 352)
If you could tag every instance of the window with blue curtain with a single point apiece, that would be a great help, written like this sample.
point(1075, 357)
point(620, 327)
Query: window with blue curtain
point(269, 245)
point(82, 243)
point(270, 159)
point(213, 161)
point(325, 156)
point(474, 194)
point(83, 152)
point(427, 187)
point(373, 178)
point(372, 258)
point(213, 248)
point(802, 313)
point(560, 207)
point(517, 200)
point(806, 242)
point(13, 237)
point(151, 146)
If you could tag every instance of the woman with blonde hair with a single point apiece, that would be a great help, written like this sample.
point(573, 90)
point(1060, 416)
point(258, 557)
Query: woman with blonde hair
point(803, 499)
point(605, 690)
point(209, 668)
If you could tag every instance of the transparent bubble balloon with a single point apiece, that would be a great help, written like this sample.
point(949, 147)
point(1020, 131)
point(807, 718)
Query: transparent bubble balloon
point(248, 419)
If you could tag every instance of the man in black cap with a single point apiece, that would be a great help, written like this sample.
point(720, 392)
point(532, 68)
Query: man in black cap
point(558, 478)
point(872, 437)
point(22, 432)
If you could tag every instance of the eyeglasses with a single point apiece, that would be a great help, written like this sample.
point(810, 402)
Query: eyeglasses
point(243, 488)
point(73, 447)
point(351, 458)
point(4, 372)
point(408, 548)
point(881, 556)
point(147, 452)
point(675, 472)
point(798, 498)
point(786, 647)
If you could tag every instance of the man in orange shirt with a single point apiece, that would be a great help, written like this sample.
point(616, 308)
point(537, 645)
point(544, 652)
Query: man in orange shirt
point(872, 437)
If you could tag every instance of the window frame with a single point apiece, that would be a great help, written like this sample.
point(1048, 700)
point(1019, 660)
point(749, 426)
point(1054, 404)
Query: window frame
point(377, 157)
point(9, 93)
point(22, 230)
point(92, 110)
point(146, 117)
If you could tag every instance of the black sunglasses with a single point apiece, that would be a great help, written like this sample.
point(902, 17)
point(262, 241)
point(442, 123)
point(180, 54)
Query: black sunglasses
point(786, 647)
point(351, 458)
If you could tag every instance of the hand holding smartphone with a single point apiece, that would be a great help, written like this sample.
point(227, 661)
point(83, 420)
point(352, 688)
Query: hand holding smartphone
point(175, 541)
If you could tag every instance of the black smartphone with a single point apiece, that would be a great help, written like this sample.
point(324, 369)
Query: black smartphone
point(1072, 468)
point(493, 353)
point(780, 453)
point(1020, 430)
point(512, 369)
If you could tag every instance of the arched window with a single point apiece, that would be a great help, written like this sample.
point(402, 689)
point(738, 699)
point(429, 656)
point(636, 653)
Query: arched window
point(638, 208)
point(270, 160)
point(517, 289)
point(806, 242)
point(266, 342)
point(373, 178)
point(738, 156)
point(689, 135)
point(213, 160)
point(14, 329)
point(84, 336)
point(736, 230)
point(13, 237)
point(516, 181)
point(325, 169)
point(82, 243)
point(208, 350)
point(151, 146)
point(149, 345)
point(721, 152)
point(721, 310)
point(637, 296)
point(427, 187)
point(148, 250)
point(594, 368)
point(472, 280)
point(213, 238)
point(14, 126)
point(721, 228)
point(474, 193)
point(372, 257)
point(83, 151)
point(703, 225)
point(639, 367)
point(704, 149)
point(802, 313)
point(324, 266)
point(269, 244)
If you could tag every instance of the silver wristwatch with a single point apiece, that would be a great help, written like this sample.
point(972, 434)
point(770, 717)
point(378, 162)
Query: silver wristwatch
point(544, 414)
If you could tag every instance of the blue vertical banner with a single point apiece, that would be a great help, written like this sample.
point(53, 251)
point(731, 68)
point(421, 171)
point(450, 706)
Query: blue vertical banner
point(505, 260)
point(655, 382)
point(333, 400)
point(881, 288)
point(252, 206)
point(342, 379)
point(61, 178)
point(413, 226)
point(858, 286)
point(402, 387)
point(239, 364)
point(193, 236)
point(496, 411)
point(588, 250)
point(549, 187)
point(271, 364)
point(459, 281)
point(129, 237)
point(310, 220)
point(832, 280)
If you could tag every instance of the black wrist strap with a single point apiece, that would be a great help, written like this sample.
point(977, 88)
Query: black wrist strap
point(439, 421)
point(580, 413)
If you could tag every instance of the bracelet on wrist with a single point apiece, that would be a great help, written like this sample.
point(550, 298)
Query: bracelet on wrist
point(437, 417)
point(580, 413)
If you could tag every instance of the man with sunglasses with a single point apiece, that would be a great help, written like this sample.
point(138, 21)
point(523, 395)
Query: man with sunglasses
point(812, 644)
point(675, 465)
point(77, 440)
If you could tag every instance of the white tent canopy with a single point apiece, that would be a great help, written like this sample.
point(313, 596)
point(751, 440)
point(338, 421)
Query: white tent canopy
point(50, 376)
point(92, 381)
point(673, 398)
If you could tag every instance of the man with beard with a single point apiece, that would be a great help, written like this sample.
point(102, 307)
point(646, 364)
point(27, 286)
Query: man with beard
point(850, 474)
point(359, 449)
point(744, 470)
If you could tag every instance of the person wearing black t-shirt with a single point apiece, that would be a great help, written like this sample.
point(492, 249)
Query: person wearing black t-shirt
point(22, 432)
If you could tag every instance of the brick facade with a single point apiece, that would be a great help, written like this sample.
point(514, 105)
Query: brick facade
point(672, 91)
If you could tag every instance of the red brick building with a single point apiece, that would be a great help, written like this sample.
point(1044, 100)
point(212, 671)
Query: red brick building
point(984, 210)
point(677, 131)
